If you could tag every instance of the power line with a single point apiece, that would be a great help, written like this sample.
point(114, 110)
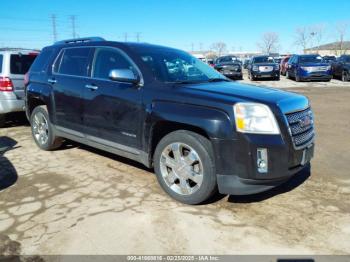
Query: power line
point(54, 30)
point(72, 18)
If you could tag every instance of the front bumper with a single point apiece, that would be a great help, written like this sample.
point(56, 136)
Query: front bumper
point(270, 74)
point(236, 163)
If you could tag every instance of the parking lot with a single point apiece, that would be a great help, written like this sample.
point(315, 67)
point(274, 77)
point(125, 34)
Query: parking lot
point(80, 200)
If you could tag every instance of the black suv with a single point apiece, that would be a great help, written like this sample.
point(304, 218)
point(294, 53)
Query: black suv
point(263, 67)
point(341, 68)
point(229, 66)
point(168, 110)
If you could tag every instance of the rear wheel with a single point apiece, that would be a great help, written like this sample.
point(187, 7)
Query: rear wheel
point(184, 165)
point(2, 120)
point(42, 130)
point(345, 76)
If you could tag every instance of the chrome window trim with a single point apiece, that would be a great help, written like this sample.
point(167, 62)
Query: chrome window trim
point(90, 76)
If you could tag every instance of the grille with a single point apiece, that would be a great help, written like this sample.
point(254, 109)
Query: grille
point(265, 68)
point(301, 126)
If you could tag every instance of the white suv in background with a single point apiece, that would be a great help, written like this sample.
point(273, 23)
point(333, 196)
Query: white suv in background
point(14, 64)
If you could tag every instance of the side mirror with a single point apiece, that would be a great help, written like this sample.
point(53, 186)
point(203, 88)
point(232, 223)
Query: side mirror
point(123, 75)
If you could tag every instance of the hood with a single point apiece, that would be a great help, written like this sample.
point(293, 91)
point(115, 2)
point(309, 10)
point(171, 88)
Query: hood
point(236, 92)
point(264, 64)
point(315, 64)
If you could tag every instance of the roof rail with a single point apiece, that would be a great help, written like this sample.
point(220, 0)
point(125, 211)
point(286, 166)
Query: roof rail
point(79, 40)
point(18, 49)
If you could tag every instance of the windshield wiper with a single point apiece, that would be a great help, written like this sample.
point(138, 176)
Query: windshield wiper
point(218, 80)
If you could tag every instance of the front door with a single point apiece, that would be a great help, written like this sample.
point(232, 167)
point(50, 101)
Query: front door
point(112, 110)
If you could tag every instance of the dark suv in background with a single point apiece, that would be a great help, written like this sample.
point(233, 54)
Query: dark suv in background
point(341, 68)
point(308, 67)
point(229, 66)
point(263, 67)
point(168, 110)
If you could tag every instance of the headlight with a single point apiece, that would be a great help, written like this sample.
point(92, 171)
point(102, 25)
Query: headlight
point(255, 68)
point(277, 67)
point(329, 67)
point(255, 118)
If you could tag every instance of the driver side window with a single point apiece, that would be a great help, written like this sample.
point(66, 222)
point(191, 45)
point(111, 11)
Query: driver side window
point(107, 59)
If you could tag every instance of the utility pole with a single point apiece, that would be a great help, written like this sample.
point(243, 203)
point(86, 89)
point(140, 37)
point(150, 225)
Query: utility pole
point(54, 31)
point(72, 18)
point(138, 36)
point(200, 46)
point(125, 37)
point(192, 47)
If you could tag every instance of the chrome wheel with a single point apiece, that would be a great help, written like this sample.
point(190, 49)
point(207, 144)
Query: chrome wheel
point(345, 77)
point(40, 128)
point(181, 168)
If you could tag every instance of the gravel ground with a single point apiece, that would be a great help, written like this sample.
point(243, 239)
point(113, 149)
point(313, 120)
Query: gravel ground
point(79, 200)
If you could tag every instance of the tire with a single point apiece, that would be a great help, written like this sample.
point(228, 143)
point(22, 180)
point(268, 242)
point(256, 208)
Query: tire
point(345, 76)
point(2, 120)
point(297, 78)
point(42, 130)
point(173, 175)
point(287, 75)
point(277, 78)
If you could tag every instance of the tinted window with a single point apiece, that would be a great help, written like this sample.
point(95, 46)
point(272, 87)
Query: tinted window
point(74, 61)
point(310, 59)
point(41, 62)
point(20, 64)
point(263, 59)
point(108, 59)
point(1, 59)
point(227, 59)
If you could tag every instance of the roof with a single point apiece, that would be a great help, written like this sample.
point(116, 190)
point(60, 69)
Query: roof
point(18, 49)
point(331, 46)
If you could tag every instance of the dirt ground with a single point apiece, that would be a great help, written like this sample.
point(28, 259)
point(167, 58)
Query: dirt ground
point(79, 200)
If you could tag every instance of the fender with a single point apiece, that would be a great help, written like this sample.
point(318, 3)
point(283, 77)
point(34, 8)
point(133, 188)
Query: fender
point(42, 92)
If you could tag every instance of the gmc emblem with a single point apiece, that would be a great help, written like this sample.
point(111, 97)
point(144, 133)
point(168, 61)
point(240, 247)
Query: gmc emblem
point(305, 121)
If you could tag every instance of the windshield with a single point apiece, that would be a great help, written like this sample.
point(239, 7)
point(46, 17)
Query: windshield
point(227, 59)
point(310, 59)
point(263, 59)
point(171, 65)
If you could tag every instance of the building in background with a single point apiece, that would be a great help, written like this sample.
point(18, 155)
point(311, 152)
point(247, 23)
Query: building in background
point(335, 49)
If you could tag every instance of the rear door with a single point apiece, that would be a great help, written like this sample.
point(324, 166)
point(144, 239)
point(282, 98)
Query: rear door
point(19, 64)
point(112, 110)
point(68, 80)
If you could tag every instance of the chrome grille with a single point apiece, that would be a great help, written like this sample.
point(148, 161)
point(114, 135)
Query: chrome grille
point(301, 126)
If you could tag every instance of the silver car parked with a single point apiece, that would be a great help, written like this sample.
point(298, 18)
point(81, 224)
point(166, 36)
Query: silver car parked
point(14, 64)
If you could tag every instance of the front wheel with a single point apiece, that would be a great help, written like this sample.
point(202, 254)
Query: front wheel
point(287, 75)
point(42, 130)
point(345, 76)
point(297, 77)
point(184, 165)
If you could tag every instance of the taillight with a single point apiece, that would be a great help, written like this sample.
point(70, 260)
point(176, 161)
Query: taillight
point(5, 84)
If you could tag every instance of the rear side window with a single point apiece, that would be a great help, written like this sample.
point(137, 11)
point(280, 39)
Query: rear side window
point(41, 62)
point(1, 59)
point(73, 62)
point(20, 64)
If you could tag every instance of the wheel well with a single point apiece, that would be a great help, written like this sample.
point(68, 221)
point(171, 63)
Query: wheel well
point(162, 128)
point(33, 103)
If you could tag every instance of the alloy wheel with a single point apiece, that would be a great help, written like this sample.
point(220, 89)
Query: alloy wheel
point(40, 128)
point(181, 168)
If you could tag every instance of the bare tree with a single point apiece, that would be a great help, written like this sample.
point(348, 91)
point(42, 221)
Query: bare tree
point(317, 34)
point(302, 37)
point(219, 47)
point(341, 30)
point(269, 42)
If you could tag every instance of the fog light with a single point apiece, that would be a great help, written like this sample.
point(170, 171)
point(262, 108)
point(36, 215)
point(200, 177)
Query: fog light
point(262, 160)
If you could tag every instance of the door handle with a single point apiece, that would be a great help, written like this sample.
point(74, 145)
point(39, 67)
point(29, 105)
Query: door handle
point(52, 81)
point(92, 87)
